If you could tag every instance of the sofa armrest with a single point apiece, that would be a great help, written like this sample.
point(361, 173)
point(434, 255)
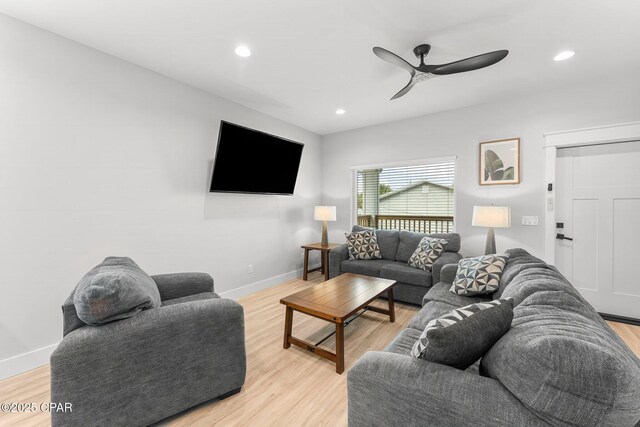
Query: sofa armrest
point(387, 389)
point(178, 285)
point(444, 259)
point(448, 273)
point(145, 368)
point(336, 256)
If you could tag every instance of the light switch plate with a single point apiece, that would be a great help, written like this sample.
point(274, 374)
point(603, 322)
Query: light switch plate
point(529, 220)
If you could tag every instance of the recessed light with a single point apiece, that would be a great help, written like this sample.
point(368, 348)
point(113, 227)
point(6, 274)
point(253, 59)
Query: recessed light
point(564, 55)
point(340, 111)
point(243, 51)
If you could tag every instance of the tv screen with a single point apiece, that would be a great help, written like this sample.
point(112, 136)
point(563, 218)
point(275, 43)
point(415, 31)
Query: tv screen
point(250, 161)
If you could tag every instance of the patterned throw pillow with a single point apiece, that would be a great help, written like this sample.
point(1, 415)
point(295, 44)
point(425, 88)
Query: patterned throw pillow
point(427, 252)
point(363, 245)
point(479, 275)
point(465, 334)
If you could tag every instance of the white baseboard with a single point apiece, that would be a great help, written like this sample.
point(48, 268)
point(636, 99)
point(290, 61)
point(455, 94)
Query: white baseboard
point(263, 284)
point(26, 361)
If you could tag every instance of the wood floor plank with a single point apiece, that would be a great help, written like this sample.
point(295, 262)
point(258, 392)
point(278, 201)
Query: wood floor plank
point(283, 387)
point(630, 334)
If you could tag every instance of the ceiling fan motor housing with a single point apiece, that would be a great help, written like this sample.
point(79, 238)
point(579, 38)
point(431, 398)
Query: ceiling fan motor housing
point(421, 50)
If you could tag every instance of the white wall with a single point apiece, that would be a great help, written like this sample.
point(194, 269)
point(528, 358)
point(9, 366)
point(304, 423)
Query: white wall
point(614, 99)
point(100, 157)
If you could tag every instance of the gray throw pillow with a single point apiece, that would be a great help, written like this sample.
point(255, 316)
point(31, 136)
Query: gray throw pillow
point(428, 251)
point(479, 275)
point(114, 289)
point(363, 245)
point(464, 335)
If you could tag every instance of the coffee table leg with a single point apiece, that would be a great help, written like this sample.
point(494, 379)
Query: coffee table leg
point(288, 322)
point(305, 270)
point(339, 348)
point(392, 312)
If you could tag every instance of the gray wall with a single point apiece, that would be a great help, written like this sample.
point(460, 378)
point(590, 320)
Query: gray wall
point(100, 157)
point(613, 99)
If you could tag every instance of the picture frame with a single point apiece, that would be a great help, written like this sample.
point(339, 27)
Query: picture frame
point(499, 162)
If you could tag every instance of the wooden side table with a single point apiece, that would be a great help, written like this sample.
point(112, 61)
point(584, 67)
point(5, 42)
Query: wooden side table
point(324, 256)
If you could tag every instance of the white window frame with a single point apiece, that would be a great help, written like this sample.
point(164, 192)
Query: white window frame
point(354, 181)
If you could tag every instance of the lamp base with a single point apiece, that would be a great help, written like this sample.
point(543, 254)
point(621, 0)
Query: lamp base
point(325, 239)
point(490, 246)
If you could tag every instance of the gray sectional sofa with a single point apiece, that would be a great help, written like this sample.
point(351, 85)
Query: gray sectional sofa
point(396, 247)
point(560, 364)
point(142, 369)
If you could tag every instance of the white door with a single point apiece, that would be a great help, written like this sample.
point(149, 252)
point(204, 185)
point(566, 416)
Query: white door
point(598, 201)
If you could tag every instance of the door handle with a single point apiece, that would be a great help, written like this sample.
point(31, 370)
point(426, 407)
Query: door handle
point(561, 236)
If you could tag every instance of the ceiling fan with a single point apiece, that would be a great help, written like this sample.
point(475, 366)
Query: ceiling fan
point(425, 72)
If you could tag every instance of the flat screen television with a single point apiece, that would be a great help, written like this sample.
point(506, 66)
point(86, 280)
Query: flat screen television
point(254, 162)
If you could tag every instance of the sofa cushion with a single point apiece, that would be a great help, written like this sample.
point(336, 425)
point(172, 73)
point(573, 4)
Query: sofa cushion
point(408, 242)
point(520, 261)
point(401, 272)
point(369, 267)
point(190, 298)
point(479, 275)
point(404, 342)
point(363, 245)
point(462, 336)
point(565, 364)
point(387, 240)
point(428, 312)
point(440, 292)
point(427, 252)
point(114, 289)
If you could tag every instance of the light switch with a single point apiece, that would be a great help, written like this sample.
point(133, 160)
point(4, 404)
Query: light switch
point(529, 220)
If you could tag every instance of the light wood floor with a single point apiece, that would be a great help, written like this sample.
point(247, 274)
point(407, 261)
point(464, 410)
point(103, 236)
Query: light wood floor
point(283, 387)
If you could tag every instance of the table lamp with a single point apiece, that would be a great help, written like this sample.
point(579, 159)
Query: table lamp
point(324, 214)
point(492, 217)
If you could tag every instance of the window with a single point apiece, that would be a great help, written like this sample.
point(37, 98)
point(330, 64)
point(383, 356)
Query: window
point(416, 197)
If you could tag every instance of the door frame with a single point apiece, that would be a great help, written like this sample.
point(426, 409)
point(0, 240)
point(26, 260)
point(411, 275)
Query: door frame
point(609, 134)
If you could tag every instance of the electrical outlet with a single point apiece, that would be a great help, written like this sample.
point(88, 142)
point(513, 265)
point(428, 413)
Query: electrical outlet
point(529, 220)
point(250, 268)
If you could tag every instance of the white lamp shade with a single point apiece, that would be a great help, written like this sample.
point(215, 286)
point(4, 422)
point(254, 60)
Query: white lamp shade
point(324, 213)
point(492, 216)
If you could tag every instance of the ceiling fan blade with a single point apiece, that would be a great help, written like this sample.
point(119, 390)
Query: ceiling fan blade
point(404, 90)
point(394, 59)
point(470, 64)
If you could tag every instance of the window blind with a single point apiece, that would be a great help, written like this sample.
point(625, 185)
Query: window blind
point(417, 197)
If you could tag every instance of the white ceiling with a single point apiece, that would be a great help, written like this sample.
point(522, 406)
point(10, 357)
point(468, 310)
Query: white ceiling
point(311, 57)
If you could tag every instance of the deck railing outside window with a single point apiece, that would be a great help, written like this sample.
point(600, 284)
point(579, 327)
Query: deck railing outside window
point(421, 224)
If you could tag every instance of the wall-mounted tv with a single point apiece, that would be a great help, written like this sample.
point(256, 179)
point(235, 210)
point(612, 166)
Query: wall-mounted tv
point(250, 161)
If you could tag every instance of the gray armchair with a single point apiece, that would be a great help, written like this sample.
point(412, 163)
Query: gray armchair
point(153, 365)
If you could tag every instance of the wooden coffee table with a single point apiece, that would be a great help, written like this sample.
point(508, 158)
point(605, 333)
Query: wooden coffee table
point(336, 301)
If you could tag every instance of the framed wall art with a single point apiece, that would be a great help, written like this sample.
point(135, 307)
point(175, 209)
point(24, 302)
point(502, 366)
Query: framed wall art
point(500, 162)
